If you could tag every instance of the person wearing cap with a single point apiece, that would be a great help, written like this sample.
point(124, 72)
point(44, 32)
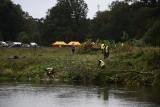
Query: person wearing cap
point(101, 64)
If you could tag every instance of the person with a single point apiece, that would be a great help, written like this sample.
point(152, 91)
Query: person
point(49, 72)
point(102, 47)
point(106, 52)
point(101, 64)
point(73, 48)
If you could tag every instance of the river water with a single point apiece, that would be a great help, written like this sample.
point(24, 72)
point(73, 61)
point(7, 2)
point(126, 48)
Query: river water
point(64, 95)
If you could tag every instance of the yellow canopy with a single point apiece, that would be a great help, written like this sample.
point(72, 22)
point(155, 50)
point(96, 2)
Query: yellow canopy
point(59, 43)
point(75, 43)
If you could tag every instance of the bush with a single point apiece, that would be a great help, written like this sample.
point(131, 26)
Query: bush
point(156, 81)
point(152, 35)
point(35, 71)
point(8, 73)
point(139, 43)
point(87, 47)
point(153, 58)
point(124, 48)
point(102, 77)
point(75, 76)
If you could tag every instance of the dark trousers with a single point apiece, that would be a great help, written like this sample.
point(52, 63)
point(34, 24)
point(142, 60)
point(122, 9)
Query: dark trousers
point(106, 54)
point(103, 67)
point(73, 51)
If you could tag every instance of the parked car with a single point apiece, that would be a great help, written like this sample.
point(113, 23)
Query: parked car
point(33, 44)
point(25, 45)
point(3, 44)
point(15, 44)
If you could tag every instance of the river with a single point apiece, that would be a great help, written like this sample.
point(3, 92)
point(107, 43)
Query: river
point(67, 95)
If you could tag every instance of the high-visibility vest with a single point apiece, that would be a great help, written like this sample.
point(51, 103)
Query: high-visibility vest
point(101, 63)
point(102, 46)
point(106, 49)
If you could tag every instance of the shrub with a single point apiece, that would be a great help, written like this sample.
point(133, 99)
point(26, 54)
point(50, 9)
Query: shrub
point(139, 43)
point(153, 58)
point(75, 76)
point(124, 48)
point(34, 71)
point(152, 35)
point(156, 81)
point(102, 77)
point(8, 73)
point(87, 47)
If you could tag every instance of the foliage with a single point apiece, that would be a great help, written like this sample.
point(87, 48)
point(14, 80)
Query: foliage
point(87, 47)
point(67, 21)
point(124, 47)
point(153, 58)
point(125, 37)
point(8, 73)
point(139, 43)
point(11, 19)
point(23, 37)
point(14, 21)
point(152, 35)
point(66, 25)
point(156, 81)
point(137, 67)
point(0, 36)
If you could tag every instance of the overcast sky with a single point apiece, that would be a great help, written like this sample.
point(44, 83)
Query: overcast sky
point(38, 8)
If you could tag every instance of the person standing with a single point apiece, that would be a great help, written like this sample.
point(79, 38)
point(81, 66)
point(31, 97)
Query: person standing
point(102, 47)
point(73, 48)
point(106, 52)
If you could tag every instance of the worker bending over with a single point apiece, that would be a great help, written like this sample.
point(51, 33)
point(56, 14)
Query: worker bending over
point(101, 64)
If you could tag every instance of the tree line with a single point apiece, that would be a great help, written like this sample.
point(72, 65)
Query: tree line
point(67, 21)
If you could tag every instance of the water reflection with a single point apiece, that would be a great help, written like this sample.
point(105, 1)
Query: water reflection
point(103, 93)
point(51, 95)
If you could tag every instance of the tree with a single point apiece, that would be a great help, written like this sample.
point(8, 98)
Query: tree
point(11, 20)
point(1, 36)
point(152, 35)
point(65, 20)
point(150, 3)
point(111, 24)
point(23, 37)
point(99, 25)
point(31, 29)
point(40, 29)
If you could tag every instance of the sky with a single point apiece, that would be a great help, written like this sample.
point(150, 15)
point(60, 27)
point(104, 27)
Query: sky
point(38, 8)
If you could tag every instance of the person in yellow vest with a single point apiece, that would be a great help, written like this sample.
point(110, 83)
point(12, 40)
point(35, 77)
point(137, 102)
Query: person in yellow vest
point(101, 64)
point(106, 51)
point(102, 47)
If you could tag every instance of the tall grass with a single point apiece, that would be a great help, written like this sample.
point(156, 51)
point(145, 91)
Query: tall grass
point(124, 66)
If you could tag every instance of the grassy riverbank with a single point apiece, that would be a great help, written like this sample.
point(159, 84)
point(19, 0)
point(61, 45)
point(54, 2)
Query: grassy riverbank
point(139, 66)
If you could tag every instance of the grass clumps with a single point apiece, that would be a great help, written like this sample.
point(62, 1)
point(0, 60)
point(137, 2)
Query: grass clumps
point(139, 66)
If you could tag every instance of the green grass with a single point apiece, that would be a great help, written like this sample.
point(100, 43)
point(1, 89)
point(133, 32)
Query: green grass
point(138, 66)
